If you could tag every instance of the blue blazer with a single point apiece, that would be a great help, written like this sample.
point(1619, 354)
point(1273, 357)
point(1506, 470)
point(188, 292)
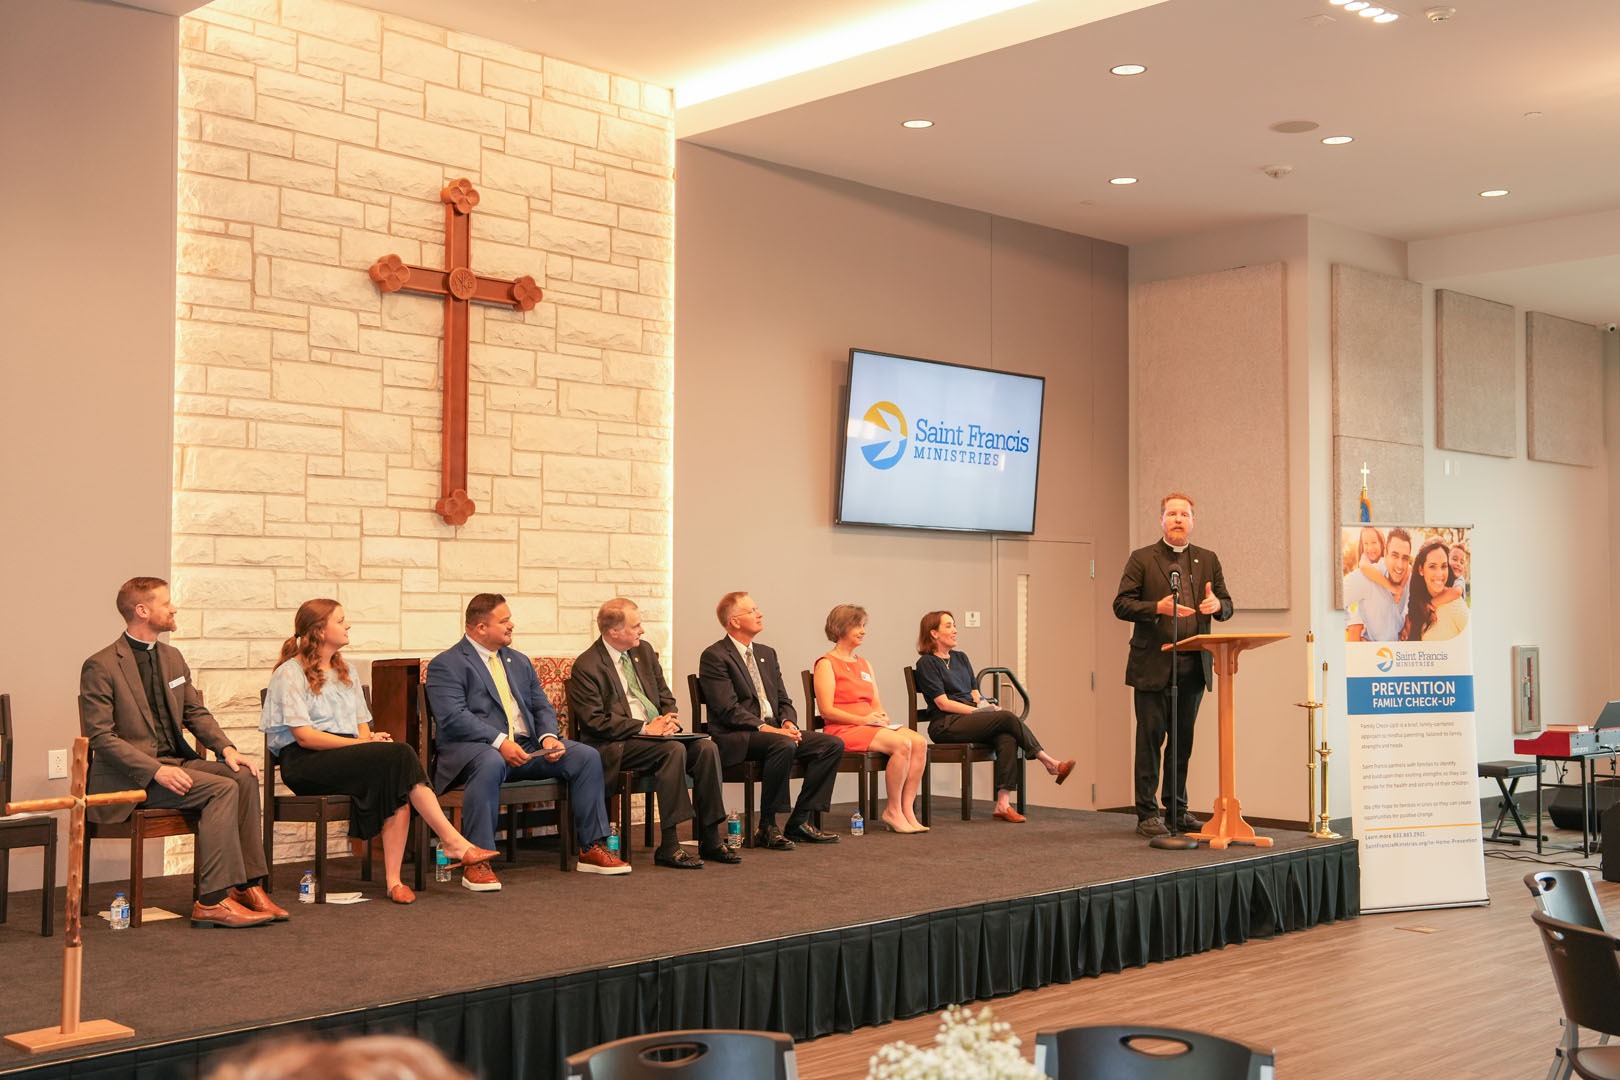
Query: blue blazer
point(467, 709)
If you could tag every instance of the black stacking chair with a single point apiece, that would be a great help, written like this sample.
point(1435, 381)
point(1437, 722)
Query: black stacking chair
point(1122, 1052)
point(1586, 968)
point(317, 810)
point(689, 1055)
point(868, 764)
point(1566, 894)
point(24, 833)
point(964, 754)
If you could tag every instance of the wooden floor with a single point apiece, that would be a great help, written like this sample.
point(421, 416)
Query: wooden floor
point(1359, 1000)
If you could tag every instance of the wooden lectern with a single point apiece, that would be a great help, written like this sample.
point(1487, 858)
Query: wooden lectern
point(1226, 826)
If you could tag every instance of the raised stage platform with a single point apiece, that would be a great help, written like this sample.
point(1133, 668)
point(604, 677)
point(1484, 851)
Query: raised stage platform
point(819, 940)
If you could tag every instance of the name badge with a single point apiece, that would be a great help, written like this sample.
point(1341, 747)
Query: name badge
point(867, 675)
point(176, 682)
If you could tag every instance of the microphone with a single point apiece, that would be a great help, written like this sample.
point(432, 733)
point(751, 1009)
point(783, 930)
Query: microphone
point(1175, 582)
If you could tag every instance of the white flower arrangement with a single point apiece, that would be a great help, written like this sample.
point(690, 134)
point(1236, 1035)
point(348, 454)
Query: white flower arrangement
point(966, 1048)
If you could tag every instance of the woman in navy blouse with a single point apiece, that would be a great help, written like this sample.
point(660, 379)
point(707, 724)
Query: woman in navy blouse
point(957, 714)
point(316, 723)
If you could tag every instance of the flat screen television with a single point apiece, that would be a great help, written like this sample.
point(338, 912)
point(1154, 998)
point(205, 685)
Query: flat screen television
point(929, 445)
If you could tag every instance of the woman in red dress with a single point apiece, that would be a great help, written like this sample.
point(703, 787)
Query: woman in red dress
point(847, 696)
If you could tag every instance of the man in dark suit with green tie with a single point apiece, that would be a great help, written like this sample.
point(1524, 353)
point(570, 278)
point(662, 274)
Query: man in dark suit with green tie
point(621, 705)
point(135, 696)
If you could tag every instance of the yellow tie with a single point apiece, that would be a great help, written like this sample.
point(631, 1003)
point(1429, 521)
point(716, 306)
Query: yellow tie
point(497, 671)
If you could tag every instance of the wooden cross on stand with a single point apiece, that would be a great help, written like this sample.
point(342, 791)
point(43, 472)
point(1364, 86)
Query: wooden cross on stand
point(458, 285)
point(73, 1031)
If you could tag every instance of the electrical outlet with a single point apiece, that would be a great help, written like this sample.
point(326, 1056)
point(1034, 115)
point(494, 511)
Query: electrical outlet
point(56, 765)
point(970, 618)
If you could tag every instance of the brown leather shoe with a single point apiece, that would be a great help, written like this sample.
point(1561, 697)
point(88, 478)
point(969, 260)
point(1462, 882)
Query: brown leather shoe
point(475, 855)
point(254, 898)
point(480, 878)
point(400, 893)
point(1009, 814)
point(227, 914)
point(1064, 770)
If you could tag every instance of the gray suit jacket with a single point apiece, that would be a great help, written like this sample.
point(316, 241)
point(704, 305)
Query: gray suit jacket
point(115, 716)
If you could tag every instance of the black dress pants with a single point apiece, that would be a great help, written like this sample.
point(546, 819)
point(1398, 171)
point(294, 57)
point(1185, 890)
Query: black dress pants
point(999, 728)
point(670, 761)
point(1152, 722)
point(818, 752)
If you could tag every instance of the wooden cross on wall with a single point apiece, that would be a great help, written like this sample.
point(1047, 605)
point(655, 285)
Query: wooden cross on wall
point(458, 285)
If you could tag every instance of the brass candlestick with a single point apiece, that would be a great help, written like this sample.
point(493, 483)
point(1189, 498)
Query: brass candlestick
point(1314, 755)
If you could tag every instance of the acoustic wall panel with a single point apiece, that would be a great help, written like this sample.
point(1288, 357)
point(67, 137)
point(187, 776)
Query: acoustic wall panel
point(1394, 487)
point(1210, 395)
point(1563, 363)
point(1377, 356)
point(1475, 391)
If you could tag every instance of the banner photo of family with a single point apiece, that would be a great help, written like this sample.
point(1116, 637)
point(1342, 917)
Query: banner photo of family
point(1409, 694)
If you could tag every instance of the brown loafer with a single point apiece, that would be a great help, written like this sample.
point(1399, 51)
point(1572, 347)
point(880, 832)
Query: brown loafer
point(254, 898)
point(227, 914)
point(1064, 770)
point(475, 855)
point(400, 893)
point(1008, 814)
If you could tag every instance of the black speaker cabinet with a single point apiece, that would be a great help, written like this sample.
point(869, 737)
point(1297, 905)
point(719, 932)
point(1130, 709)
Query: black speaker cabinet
point(1611, 842)
point(1565, 808)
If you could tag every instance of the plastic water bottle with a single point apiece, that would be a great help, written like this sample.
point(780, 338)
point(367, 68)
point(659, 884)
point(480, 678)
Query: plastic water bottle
point(857, 825)
point(119, 912)
point(306, 888)
point(614, 844)
point(733, 830)
point(441, 862)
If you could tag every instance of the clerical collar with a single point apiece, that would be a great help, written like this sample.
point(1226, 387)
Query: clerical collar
point(135, 642)
point(1172, 547)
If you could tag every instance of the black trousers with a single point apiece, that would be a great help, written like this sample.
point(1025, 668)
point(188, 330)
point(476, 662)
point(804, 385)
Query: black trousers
point(377, 776)
point(670, 761)
point(1152, 722)
point(817, 751)
point(998, 727)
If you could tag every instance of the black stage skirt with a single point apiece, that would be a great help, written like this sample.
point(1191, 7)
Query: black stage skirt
point(378, 776)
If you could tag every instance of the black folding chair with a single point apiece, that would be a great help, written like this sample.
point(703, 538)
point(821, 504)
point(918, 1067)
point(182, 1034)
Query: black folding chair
point(689, 1055)
point(1123, 1052)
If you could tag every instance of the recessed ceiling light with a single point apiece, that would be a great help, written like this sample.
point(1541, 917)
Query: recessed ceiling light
point(1337, 140)
point(1357, 5)
point(1127, 69)
point(1386, 17)
point(1338, 3)
point(1493, 193)
point(916, 123)
point(1370, 12)
point(1121, 181)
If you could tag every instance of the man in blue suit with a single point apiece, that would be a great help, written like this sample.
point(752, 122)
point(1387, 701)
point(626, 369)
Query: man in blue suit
point(494, 724)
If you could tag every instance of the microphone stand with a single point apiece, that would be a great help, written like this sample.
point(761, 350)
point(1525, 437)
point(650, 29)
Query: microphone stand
point(1175, 841)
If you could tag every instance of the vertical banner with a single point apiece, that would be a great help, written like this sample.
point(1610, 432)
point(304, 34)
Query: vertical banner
point(1409, 700)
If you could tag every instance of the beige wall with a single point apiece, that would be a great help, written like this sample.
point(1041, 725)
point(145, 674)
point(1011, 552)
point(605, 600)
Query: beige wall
point(1519, 508)
point(1269, 731)
point(779, 273)
point(87, 299)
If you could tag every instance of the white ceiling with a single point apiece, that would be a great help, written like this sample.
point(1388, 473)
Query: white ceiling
point(1029, 124)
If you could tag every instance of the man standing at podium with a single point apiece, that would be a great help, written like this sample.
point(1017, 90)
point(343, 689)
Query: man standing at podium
point(1147, 599)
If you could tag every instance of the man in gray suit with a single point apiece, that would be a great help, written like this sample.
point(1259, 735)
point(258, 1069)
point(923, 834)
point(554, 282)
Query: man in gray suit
point(134, 697)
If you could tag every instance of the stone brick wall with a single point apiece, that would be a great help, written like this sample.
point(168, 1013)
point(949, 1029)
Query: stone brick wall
point(314, 138)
